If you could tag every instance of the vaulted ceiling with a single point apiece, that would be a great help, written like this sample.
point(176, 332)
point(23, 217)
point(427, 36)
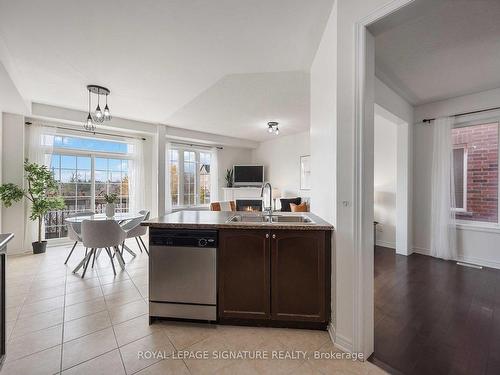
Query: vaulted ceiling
point(437, 49)
point(220, 65)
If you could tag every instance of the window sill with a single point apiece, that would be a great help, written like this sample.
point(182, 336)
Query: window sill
point(478, 227)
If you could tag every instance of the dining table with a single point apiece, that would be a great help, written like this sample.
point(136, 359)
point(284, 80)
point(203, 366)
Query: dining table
point(121, 218)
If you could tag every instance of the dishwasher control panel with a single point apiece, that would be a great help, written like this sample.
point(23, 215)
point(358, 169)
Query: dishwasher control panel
point(184, 238)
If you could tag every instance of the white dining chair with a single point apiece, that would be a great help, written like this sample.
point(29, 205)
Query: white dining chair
point(75, 231)
point(101, 234)
point(135, 230)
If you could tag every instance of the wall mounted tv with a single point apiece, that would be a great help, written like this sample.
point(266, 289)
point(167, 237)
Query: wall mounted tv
point(248, 175)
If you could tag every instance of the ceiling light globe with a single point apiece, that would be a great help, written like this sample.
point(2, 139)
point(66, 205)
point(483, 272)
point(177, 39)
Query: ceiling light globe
point(98, 112)
point(277, 131)
point(106, 114)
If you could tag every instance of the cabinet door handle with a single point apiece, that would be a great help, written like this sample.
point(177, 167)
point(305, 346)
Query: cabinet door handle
point(274, 236)
point(267, 235)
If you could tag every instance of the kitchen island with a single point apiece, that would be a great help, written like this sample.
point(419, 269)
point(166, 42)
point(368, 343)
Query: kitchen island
point(241, 268)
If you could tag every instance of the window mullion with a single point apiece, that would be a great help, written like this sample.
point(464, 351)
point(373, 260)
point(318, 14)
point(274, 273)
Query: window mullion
point(92, 182)
point(498, 174)
point(181, 177)
point(197, 178)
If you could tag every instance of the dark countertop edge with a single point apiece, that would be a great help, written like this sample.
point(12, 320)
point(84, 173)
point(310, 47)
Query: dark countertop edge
point(238, 226)
point(5, 238)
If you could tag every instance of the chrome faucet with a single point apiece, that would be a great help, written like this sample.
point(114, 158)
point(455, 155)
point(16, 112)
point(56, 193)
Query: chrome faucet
point(270, 208)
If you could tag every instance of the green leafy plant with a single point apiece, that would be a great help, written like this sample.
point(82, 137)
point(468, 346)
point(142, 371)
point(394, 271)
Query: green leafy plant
point(41, 191)
point(229, 178)
point(111, 198)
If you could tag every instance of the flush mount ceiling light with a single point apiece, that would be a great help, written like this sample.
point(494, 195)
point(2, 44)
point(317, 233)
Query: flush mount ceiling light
point(272, 127)
point(98, 116)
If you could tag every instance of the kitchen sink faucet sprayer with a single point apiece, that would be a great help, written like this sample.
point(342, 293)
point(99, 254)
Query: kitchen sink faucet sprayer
point(270, 208)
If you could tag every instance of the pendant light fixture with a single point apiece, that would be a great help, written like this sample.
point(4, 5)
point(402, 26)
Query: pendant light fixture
point(98, 116)
point(107, 114)
point(272, 127)
point(89, 123)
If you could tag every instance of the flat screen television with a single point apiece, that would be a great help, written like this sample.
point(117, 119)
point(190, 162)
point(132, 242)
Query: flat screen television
point(248, 175)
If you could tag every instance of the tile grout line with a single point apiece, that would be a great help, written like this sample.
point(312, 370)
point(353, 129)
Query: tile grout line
point(19, 313)
point(109, 316)
point(168, 338)
point(64, 314)
point(63, 322)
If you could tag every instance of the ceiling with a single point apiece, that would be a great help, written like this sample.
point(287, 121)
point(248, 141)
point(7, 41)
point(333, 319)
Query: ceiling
point(437, 49)
point(237, 103)
point(220, 66)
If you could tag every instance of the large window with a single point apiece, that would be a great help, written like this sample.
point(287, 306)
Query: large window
point(86, 169)
point(189, 177)
point(475, 163)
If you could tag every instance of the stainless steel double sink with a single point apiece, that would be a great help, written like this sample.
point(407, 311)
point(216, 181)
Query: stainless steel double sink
point(270, 219)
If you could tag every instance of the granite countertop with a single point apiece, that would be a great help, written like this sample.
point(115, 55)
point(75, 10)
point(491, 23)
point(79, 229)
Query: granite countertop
point(4, 239)
point(218, 220)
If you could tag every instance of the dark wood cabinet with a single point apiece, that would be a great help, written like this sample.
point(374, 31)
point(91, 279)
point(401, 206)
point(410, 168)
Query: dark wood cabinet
point(274, 277)
point(243, 264)
point(298, 275)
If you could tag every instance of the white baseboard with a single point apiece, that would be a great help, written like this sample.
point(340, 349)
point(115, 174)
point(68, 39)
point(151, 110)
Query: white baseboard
point(464, 259)
point(389, 244)
point(331, 332)
point(421, 250)
point(339, 341)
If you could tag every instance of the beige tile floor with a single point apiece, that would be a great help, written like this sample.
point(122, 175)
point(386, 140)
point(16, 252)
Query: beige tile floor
point(58, 323)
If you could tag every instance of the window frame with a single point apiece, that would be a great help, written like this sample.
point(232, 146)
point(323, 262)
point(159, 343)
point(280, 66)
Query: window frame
point(93, 155)
point(476, 120)
point(463, 209)
point(180, 188)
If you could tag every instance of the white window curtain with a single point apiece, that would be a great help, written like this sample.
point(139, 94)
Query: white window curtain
point(39, 150)
point(443, 224)
point(214, 175)
point(137, 181)
point(168, 193)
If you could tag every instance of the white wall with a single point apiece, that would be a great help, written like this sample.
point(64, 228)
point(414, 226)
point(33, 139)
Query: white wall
point(281, 159)
point(393, 102)
point(324, 151)
point(323, 130)
point(10, 98)
point(12, 171)
point(227, 158)
point(475, 244)
point(467, 103)
point(354, 325)
point(10, 151)
point(385, 181)
point(394, 108)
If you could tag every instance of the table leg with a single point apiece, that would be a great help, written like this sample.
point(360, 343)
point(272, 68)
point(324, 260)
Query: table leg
point(129, 250)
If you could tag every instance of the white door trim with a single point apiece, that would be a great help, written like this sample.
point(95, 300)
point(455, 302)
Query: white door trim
point(363, 195)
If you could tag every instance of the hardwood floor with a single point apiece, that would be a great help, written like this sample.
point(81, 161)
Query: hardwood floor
point(435, 317)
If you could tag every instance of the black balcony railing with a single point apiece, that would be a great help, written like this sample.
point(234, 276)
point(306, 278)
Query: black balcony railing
point(54, 221)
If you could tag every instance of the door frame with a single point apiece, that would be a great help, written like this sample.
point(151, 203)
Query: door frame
point(363, 307)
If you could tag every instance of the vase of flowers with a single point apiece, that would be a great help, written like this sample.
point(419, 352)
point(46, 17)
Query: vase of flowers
point(110, 204)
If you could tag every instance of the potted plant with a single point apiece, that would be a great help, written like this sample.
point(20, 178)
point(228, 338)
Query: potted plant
point(41, 192)
point(110, 199)
point(229, 178)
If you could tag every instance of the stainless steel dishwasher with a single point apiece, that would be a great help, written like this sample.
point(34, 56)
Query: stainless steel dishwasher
point(183, 274)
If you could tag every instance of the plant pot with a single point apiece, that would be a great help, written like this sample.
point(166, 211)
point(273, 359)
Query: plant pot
point(110, 210)
point(39, 247)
